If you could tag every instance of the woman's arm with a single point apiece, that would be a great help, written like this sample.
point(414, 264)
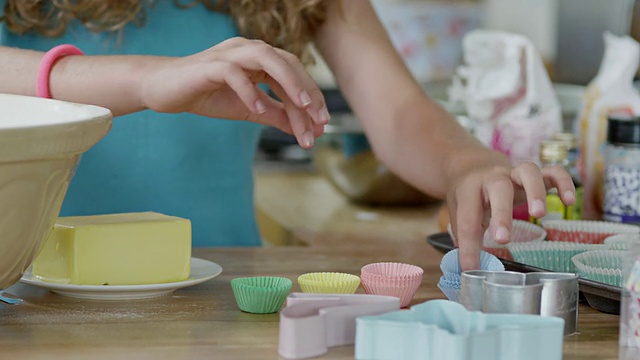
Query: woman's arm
point(419, 140)
point(109, 81)
point(218, 82)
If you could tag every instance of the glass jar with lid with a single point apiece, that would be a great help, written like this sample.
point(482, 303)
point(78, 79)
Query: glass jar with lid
point(622, 171)
point(556, 152)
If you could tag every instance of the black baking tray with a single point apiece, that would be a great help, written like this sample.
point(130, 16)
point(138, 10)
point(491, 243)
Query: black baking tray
point(600, 296)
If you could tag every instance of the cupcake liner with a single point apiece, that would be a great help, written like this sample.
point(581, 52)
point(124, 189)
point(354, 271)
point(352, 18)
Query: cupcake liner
point(389, 281)
point(328, 283)
point(452, 283)
point(451, 277)
point(521, 231)
point(451, 264)
point(392, 269)
point(392, 279)
point(261, 294)
point(550, 255)
point(601, 265)
point(405, 292)
point(448, 291)
point(585, 231)
point(623, 241)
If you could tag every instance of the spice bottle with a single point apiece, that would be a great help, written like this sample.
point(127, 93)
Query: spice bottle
point(622, 171)
point(553, 153)
point(570, 140)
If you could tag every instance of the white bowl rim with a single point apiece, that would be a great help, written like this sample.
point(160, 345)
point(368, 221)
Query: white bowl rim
point(52, 112)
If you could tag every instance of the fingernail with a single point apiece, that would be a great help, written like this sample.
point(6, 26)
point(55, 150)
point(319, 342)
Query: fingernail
point(307, 139)
point(502, 234)
point(324, 116)
point(537, 207)
point(305, 98)
point(569, 196)
point(260, 106)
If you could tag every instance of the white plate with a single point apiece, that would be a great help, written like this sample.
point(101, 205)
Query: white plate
point(201, 271)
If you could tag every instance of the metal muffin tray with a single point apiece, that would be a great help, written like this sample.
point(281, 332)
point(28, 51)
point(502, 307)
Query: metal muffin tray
point(600, 296)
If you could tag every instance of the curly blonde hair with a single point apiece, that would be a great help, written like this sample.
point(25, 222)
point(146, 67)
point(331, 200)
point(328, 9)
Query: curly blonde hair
point(287, 24)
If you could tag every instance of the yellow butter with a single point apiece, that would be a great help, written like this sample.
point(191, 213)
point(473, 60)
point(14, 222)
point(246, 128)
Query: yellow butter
point(117, 249)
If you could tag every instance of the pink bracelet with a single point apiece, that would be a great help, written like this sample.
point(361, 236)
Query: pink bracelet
point(46, 64)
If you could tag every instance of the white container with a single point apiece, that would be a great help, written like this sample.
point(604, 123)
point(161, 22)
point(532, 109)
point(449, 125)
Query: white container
point(41, 141)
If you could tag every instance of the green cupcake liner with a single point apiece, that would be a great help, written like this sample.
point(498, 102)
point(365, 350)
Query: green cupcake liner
point(261, 294)
point(601, 265)
point(550, 255)
point(329, 283)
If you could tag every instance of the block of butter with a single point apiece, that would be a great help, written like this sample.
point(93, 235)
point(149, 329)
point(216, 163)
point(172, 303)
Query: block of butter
point(116, 249)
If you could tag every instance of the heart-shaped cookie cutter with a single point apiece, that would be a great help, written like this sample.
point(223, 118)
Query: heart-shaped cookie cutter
point(508, 292)
point(312, 323)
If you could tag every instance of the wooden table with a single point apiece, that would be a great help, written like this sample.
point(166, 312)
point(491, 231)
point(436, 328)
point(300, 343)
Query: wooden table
point(295, 202)
point(203, 321)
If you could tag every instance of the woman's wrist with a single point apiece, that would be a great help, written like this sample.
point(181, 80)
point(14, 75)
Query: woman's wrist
point(113, 82)
point(47, 62)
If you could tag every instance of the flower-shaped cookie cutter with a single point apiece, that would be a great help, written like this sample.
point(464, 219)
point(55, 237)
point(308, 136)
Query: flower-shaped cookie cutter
point(312, 323)
point(445, 330)
point(537, 293)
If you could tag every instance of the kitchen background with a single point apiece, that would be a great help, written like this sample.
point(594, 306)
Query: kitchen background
point(428, 34)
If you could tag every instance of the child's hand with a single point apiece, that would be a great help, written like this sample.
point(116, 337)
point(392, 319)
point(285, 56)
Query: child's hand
point(222, 82)
point(484, 197)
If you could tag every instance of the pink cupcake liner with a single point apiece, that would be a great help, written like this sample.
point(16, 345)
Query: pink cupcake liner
point(405, 292)
point(392, 279)
point(392, 269)
point(585, 231)
point(521, 231)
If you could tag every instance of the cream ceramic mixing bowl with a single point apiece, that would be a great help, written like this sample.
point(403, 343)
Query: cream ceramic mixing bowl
point(41, 142)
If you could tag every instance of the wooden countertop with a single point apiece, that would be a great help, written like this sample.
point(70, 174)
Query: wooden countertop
point(291, 205)
point(203, 321)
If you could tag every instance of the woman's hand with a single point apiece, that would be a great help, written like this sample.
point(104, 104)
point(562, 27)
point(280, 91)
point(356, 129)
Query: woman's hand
point(223, 82)
point(483, 198)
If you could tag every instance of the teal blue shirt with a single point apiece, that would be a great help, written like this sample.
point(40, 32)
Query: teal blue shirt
point(177, 164)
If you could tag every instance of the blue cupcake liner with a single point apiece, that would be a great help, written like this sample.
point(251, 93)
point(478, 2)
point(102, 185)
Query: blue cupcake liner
point(451, 263)
point(451, 277)
point(449, 283)
point(450, 293)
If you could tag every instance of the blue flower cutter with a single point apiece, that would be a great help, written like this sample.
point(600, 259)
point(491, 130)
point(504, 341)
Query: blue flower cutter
point(445, 330)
